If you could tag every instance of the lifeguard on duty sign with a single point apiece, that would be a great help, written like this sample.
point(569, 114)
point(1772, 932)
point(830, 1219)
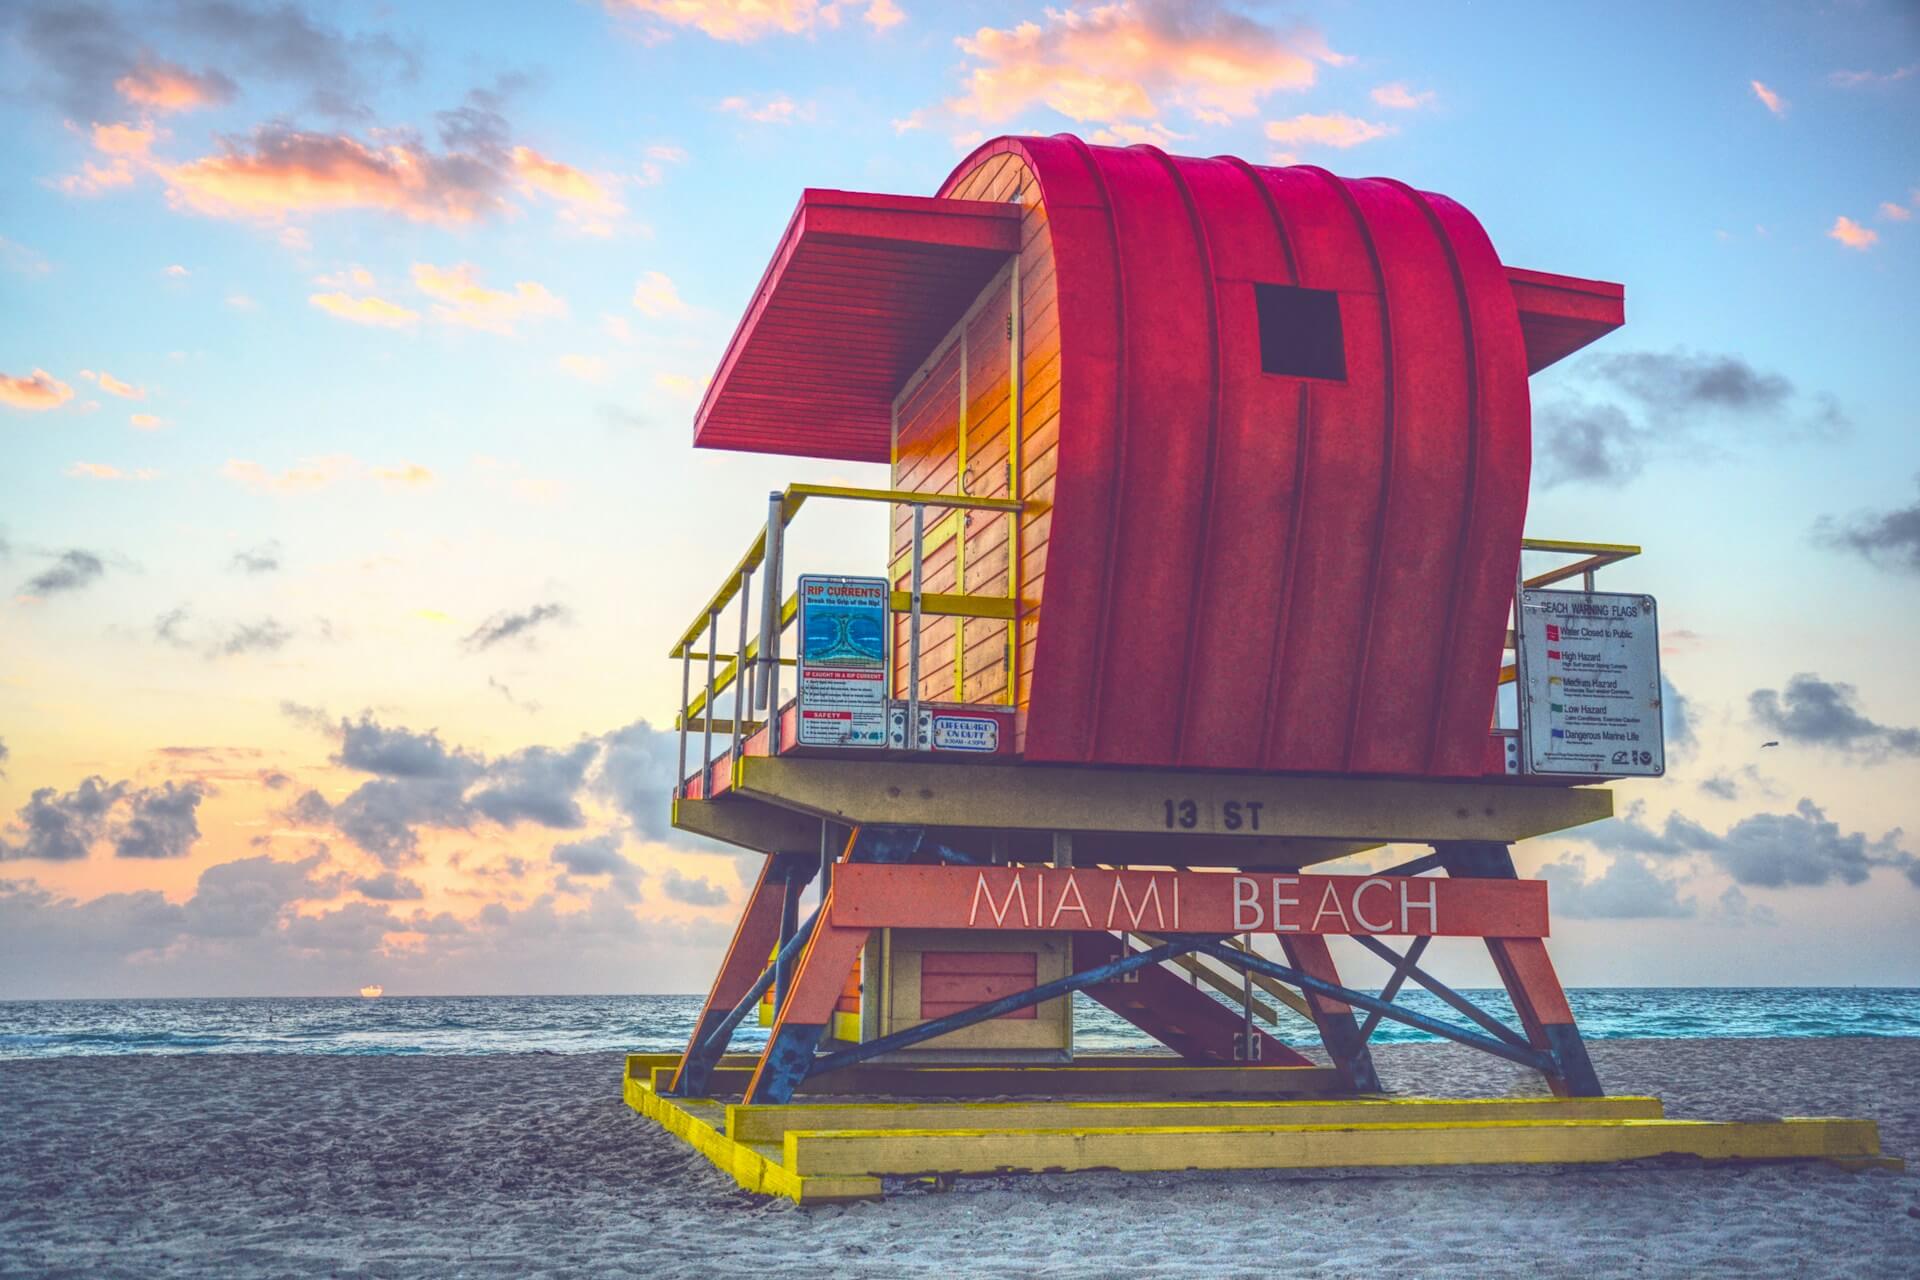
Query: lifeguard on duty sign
point(1589, 683)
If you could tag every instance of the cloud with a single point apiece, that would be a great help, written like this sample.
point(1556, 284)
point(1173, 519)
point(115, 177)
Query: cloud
point(4, 753)
point(62, 828)
point(86, 61)
point(1890, 538)
point(265, 636)
point(166, 627)
point(1623, 411)
point(1676, 719)
point(164, 87)
point(777, 109)
point(367, 309)
point(1132, 60)
point(599, 856)
point(655, 295)
point(1400, 98)
point(744, 20)
point(388, 886)
point(72, 570)
point(636, 775)
point(461, 299)
point(419, 780)
point(1335, 129)
point(160, 822)
point(404, 475)
point(1821, 713)
point(1766, 850)
point(1768, 98)
point(125, 390)
point(504, 625)
point(695, 891)
point(21, 260)
point(230, 640)
point(312, 474)
point(1721, 786)
point(264, 558)
point(98, 471)
point(527, 704)
point(1627, 890)
point(1875, 79)
point(1852, 234)
point(1895, 212)
point(250, 896)
point(38, 390)
point(279, 170)
point(366, 746)
point(561, 181)
point(145, 422)
point(538, 785)
point(1734, 908)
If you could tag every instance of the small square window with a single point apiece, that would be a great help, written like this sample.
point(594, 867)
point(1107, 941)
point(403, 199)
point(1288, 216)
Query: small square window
point(1300, 332)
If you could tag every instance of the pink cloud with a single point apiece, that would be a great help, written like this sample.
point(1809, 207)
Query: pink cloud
point(1335, 129)
point(561, 181)
point(1768, 98)
point(366, 309)
point(460, 298)
point(38, 390)
point(163, 86)
point(1400, 98)
point(778, 109)
point(1895, 212)
point(312, 474)
point(1865, 79)
point(105, 471)
point(1129, 61)
point(1852, 234)
point(280, 170)
point(743, 20)
point(125, 390)
point(655, 295)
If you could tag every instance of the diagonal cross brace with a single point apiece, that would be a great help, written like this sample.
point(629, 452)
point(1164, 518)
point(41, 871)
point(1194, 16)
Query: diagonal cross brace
point(1526, 1056)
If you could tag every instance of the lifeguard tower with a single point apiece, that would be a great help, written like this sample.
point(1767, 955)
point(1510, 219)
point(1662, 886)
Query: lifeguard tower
point(1206, 568)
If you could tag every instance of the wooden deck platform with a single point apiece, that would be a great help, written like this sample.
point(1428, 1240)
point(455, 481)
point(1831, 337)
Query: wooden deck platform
point(840, 1148)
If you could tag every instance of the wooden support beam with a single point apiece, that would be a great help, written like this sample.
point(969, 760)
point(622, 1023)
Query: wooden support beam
point(1166, 802)
point(772, 1123)
point(1154, 1149)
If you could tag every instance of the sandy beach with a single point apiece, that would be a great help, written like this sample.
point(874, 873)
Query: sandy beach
point(519, 1165)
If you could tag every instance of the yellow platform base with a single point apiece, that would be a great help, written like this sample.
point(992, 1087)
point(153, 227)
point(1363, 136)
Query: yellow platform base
point(840, 1150)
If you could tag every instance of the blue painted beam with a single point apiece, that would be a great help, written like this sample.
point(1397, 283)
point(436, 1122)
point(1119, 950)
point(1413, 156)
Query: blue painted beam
point(697, 1069)
point(1006, 1004)
point(1408, 962)
point(1526, 1057)
point(1447, 994)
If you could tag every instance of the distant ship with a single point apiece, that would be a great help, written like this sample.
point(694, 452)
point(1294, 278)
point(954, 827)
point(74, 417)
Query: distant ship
point(373, 991)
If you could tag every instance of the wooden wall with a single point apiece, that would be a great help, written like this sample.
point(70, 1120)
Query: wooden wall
point(967, 660)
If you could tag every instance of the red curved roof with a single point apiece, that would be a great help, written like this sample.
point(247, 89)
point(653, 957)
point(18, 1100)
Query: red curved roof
point(1250, 570)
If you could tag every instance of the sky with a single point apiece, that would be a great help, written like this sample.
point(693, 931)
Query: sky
point(348, 356)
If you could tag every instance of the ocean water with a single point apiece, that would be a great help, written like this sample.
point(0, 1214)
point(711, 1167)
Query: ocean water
point(654, 1024)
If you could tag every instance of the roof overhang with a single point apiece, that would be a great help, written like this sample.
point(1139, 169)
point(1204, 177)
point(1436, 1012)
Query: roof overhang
point(860, 289)
point(1561, 314)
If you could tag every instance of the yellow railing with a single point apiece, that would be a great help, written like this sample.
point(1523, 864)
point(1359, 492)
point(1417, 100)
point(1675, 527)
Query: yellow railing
point(1595, 556)
point(756, 658)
